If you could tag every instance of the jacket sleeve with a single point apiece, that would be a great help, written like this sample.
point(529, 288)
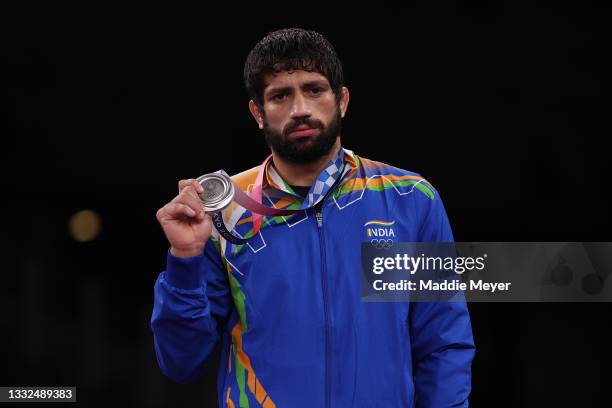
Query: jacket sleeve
point(442, 343)
point(192, 302)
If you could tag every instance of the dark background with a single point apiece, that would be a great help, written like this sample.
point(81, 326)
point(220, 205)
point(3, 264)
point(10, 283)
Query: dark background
point(504, 108)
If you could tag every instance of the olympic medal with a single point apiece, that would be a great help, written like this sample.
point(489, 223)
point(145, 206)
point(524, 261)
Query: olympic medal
point(218, 191)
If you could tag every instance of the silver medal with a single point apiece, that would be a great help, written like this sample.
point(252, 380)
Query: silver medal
point(218, 191)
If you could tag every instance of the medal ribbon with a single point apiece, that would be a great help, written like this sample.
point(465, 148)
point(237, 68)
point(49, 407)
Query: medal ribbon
point(324, 184)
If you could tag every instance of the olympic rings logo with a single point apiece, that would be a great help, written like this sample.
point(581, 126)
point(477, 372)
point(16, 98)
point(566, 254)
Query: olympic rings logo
point(381, 243)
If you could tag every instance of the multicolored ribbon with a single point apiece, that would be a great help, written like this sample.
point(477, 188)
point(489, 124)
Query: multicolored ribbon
point(327, 180)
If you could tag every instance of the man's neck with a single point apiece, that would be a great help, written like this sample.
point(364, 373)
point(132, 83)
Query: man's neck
point(303, 174)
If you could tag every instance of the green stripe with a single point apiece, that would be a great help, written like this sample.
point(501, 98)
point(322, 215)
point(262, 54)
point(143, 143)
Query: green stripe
point(268, 222)
point(390, 184)
point(239, 297)
point(240, 374)
point(279, 219)
point(287, 186)
point(239, 302)
point(425, 190)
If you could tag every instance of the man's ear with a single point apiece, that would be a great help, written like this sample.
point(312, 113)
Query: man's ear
point(256, 114)
point(344, 100)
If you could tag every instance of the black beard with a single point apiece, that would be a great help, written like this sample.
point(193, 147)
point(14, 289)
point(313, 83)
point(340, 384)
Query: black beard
point(309, 150)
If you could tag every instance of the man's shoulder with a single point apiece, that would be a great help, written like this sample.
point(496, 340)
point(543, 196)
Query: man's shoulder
point(373, 167)
point(398, 178)
point(245, 179)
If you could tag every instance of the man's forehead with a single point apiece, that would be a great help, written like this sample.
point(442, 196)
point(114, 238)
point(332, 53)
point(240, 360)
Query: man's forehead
point(284, 78)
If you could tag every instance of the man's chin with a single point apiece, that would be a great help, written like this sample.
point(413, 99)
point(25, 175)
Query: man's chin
point(303, 142)
point(306, 153)
point(303, 149)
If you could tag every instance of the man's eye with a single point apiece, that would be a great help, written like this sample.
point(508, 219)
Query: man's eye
point(315, 90)
point(279, 97)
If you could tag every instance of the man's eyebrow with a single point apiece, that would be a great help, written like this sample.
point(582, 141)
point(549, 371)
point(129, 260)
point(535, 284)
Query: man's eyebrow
point(316, 82)
point(282, 89)
point(277, 89)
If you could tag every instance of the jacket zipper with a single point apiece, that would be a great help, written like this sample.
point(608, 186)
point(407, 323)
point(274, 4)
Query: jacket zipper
point(319, 216)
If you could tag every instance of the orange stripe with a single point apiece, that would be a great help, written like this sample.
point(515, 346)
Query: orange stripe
point(251, 380)
point(268, 178)
point(392, 177)
point(244, 179)
point(351, 161)
point(404, 177)
point(230, 403)
point(258, 391)
point(285, 201)
point(245, 220)
point(269, 404)
point(260, 394)
point(360, 183)
point(237, 337)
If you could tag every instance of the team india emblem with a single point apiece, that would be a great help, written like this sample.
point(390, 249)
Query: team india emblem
point(380, 233)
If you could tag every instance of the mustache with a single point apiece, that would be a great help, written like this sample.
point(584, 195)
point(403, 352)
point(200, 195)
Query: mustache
point(311, 123)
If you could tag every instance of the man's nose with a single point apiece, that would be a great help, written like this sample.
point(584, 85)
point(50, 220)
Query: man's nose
point(300, 107)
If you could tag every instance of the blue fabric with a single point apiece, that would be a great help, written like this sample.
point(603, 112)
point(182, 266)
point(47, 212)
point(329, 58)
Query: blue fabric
point(309, 338)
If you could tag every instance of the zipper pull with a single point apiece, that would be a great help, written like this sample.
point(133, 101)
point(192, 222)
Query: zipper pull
point(319, 218)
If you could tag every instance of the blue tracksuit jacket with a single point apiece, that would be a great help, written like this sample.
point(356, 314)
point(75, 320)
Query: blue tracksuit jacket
point(287, 308)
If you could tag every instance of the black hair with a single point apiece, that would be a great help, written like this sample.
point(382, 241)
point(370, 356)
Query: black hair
point(291, 49)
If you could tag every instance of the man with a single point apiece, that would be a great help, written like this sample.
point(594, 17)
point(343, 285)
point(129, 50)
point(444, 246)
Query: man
point(286, 305)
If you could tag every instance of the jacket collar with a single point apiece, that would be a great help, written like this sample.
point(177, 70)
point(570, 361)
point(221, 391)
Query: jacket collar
point(323, 182)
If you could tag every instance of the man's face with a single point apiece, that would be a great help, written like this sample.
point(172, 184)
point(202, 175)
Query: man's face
point(301, 118)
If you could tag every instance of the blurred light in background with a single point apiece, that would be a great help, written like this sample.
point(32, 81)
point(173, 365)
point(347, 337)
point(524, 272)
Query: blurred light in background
point(84, 225)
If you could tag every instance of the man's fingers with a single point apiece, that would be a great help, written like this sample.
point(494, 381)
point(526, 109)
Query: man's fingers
point(186, 204)
point(177, 210)
point(189, 197)
point(190, 182)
